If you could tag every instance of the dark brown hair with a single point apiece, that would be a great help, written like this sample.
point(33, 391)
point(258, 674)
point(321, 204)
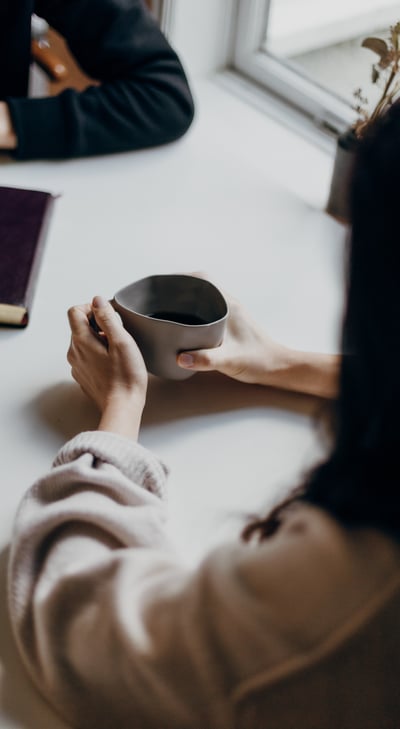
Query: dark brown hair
point(359, 482)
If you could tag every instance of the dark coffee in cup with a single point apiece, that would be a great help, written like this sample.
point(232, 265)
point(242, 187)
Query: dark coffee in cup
point(179, 317)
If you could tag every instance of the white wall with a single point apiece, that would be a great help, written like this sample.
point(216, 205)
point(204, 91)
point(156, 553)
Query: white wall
point(200, 31)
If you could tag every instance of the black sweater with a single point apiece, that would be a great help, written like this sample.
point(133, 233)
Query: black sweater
point(143, 99)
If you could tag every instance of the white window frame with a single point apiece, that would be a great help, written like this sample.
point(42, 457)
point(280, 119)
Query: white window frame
point(233, 51)
point(326, 110)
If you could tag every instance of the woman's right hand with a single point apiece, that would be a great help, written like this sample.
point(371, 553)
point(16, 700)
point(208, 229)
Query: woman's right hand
point(108, 367)
point(247, 353)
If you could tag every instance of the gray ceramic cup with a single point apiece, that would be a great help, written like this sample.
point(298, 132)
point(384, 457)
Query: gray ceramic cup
point(167, 314)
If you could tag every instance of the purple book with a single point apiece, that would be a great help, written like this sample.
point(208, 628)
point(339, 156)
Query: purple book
point(24, 218)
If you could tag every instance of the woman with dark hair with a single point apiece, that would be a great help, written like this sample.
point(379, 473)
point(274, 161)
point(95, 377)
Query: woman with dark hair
point(294, 627)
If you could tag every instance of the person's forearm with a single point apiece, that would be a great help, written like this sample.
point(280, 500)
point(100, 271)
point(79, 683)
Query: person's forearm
point(307, 372)
point(8, 138)
point(122, 415)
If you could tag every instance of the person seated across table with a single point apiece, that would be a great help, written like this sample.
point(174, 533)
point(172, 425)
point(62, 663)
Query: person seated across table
point(295, 625)
point(143, 98)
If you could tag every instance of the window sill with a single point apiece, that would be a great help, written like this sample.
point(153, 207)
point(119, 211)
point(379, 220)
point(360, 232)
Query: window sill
point(276, 110)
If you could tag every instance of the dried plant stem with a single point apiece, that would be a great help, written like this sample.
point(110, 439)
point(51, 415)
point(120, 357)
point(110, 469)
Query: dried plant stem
point(388, 67)
point(385, 94)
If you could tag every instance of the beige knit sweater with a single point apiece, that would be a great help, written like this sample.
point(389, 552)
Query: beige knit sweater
point(300, 632)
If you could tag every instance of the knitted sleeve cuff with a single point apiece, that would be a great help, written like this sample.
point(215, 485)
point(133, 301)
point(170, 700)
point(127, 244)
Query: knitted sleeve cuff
point(132, 459)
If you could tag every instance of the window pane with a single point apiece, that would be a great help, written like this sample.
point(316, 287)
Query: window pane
point(322, 40)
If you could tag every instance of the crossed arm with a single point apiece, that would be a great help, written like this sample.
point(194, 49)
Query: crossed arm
point(142, 98)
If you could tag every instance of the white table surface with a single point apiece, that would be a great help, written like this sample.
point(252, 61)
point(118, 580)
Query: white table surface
point(239, 198)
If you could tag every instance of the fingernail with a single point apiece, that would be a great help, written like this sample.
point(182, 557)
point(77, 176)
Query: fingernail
point(186, 360)
point(99, 302)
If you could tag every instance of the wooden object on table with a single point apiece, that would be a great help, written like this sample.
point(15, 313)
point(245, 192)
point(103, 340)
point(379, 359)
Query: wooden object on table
point(75, 77)
point(64, 72)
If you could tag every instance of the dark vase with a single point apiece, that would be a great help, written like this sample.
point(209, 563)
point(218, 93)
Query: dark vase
point(339, 194)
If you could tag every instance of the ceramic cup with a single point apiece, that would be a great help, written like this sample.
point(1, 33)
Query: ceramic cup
point(167, 314)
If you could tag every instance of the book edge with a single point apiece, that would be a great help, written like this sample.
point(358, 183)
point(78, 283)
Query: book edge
point(38, 256)
point(13, 315)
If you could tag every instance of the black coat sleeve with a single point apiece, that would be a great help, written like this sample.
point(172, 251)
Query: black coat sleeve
point(143, 98)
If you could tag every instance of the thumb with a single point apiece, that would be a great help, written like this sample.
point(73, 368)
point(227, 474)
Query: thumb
point(201, 360)
point(106, 318)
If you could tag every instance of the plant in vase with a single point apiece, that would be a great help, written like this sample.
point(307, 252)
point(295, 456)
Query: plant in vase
point(385, 74)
